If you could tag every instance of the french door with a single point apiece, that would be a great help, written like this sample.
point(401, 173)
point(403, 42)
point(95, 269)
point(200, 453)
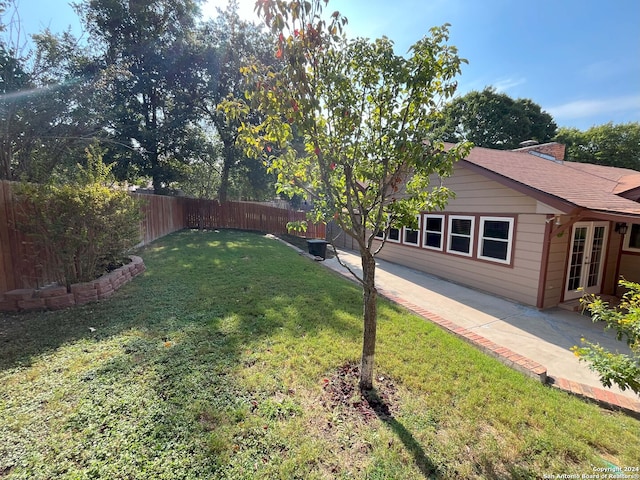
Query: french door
point(586, 261)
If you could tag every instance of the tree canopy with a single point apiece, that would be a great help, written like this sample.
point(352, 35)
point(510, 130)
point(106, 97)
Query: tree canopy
point(608, 144)
point(495, 120)
point(149, 47)
point(350, 124)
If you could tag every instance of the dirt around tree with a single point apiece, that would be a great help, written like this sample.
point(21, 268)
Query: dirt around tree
point(342, 394)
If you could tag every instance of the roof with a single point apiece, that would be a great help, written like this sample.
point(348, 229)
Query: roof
point(594, 187)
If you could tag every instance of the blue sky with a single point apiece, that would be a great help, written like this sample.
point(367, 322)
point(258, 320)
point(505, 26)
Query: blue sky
point(578, 59)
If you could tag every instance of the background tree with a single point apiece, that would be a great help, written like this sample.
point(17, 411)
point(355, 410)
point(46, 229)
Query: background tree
point(366, 117)
point(48, 113)
point(495, 120)
point(149, 45)
point(608, 144)
point(230, 44)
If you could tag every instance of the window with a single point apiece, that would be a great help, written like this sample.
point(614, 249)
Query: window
point(496, 239)
point(632, 238)
point(412, 236)
point(394, 235)
point(460, 235)
point(433, 232)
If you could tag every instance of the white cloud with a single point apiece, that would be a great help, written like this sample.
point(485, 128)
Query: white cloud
point(507, 83)
point(595, 107)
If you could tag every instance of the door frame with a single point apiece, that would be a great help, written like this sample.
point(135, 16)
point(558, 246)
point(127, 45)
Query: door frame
point(572, 294)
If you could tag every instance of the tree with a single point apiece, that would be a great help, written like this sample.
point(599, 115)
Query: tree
point(495, 120)
point(608, 144)
point(365, 116)
point(149, 45)
point(618, 368)
point(230, 44)
point(50, 108)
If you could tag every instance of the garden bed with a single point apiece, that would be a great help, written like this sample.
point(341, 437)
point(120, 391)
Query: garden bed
point(57, 297)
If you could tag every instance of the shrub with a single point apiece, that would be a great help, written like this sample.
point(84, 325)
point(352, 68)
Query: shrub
point(81, 224)
point(618, 368)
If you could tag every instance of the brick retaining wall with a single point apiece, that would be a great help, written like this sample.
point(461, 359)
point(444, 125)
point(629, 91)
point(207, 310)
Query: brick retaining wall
point(57, 297)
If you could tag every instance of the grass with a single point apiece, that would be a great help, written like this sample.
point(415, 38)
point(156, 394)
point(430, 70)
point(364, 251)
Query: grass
point(215, 364)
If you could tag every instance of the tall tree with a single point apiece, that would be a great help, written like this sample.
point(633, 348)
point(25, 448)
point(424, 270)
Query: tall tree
point(492, 119)
point(230, 44)
point(365, 116)
point(149, 45)
point(48, 110)
point(608, 144)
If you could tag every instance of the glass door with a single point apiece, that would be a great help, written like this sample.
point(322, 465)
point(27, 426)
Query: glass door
point(586, 261)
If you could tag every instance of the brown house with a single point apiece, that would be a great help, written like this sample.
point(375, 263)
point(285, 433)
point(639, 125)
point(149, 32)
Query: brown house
point(528, 226)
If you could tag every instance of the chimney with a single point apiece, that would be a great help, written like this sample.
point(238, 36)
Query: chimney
point(552, 149)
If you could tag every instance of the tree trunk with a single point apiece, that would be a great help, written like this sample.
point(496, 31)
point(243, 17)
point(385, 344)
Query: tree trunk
point(370, 315)
point(228, 160)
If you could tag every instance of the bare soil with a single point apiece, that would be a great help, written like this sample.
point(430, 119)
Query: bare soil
point(342, 393)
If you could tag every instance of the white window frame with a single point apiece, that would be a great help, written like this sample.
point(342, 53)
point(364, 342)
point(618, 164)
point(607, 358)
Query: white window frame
point(508, 241)
point(441, 232)
point(450, 234)
point(417, 230)
point(627, 239)
point(393, 240)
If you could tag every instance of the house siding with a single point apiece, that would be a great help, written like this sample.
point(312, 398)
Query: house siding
point(630, 267)
point(556, 269)
point(478, 196)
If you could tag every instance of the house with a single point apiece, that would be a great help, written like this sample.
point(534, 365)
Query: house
point(530, 227)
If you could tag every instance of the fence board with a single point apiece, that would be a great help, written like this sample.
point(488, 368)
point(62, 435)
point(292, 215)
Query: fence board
point(22, 267)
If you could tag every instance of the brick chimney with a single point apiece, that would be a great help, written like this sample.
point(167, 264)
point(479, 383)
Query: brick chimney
point(553, 149)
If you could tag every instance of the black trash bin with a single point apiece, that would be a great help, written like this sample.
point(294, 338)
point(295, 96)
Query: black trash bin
point(318, 247)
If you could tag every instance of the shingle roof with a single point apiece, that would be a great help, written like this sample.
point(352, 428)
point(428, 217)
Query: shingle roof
point(594, 187)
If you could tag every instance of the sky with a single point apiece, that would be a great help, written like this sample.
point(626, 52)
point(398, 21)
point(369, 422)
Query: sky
point(578, 59)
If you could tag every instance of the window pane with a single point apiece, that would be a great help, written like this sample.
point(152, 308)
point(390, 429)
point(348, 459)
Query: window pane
point(496, 229)
point(461, 226)
point(460, 244)
point(634, 235)
point(411, 236)
point(394, 234)
point(434, 224)
point(433, 240)
point(494, 249)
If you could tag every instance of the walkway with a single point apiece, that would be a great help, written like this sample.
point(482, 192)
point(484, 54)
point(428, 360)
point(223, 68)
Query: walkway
point(532, 341)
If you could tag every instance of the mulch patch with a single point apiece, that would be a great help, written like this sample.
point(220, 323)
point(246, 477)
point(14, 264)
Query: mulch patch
point(342, 393)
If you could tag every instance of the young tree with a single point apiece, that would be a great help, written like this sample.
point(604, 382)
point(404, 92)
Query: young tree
point(618, 368)
point(365, 116)
point(495, 120)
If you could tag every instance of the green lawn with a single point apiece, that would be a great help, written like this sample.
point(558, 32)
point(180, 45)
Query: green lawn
point(222, 361)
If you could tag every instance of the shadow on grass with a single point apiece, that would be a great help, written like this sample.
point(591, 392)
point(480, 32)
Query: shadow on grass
point(167, 348)
point(420, 457)
point(191, 278)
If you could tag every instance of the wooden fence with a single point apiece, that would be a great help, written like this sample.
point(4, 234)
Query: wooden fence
point(207, 214)
point(22, 267)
